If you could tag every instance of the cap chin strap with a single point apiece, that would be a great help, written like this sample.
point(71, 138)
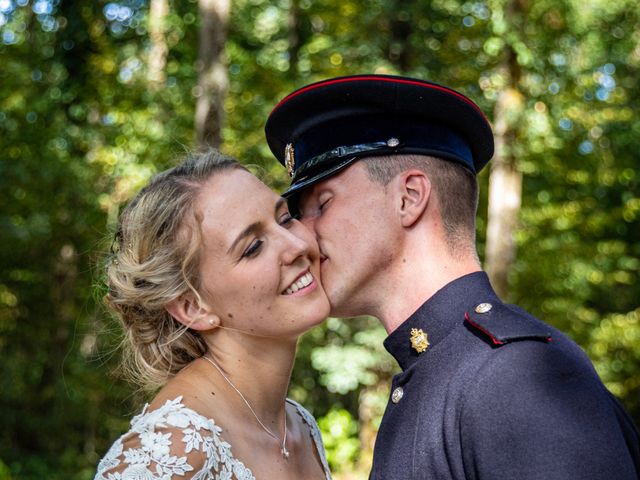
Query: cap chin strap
point(342, 152)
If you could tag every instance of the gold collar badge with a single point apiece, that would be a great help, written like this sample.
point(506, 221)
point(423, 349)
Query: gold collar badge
point(289, 158)
point(419, 340)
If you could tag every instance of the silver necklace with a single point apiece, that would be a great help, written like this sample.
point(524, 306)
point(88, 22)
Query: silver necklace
point(283, 443)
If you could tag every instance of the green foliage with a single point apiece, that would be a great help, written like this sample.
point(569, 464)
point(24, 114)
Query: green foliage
point(613, 348)
point(345, 366)
point(340, 436)
point(81, 129)
point(5, 474)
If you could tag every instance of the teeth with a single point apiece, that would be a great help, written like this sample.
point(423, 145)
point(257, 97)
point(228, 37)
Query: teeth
point(302, 282)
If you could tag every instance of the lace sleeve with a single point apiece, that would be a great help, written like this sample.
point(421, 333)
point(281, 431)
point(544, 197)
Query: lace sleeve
point(171, 442)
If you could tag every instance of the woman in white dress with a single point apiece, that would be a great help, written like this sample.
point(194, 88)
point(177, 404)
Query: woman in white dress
point(214, 282)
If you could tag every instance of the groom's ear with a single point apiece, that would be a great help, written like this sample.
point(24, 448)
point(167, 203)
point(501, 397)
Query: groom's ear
point(414, 194)
point(188, 310)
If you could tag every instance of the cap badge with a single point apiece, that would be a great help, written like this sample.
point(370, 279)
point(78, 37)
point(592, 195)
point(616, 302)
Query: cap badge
point(419, 340)
point(393, 142)
point(289, 158)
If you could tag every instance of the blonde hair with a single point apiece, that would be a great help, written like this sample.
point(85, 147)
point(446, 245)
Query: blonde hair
point(155, 261)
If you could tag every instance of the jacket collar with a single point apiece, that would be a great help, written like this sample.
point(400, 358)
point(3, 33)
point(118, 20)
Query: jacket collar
point(439, 315)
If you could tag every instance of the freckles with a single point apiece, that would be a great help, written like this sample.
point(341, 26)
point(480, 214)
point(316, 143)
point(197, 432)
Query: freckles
point(230, 315)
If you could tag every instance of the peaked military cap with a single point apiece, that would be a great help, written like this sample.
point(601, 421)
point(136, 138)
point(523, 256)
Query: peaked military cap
point(321, 128)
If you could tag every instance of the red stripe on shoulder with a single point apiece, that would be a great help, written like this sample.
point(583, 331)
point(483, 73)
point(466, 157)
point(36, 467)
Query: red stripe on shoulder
point(483, 330)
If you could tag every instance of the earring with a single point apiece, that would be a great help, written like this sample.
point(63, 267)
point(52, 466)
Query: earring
point(211, 322)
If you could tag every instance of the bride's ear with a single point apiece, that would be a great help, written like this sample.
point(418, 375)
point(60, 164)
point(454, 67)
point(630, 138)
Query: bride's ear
point(187, 310)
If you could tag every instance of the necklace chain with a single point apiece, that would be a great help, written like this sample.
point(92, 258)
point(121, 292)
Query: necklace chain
point(283, 443)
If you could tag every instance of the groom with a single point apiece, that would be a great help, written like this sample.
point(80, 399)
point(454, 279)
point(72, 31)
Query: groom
point(383, 172)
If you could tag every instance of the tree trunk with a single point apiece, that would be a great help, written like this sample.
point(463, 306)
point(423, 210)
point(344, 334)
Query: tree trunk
point(505, 182)
point(158, 11)
point(212, 79)
point(399, 47)
point(293, 21)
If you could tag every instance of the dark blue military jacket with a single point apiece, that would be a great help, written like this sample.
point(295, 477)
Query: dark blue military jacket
point(497, 395)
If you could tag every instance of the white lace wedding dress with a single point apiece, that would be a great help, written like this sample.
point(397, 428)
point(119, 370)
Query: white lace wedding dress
point(176, 442)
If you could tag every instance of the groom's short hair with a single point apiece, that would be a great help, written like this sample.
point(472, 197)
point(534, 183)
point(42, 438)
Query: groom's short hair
point(455, 187)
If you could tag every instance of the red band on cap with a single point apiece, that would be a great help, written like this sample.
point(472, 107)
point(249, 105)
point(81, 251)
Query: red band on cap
point(378, 79)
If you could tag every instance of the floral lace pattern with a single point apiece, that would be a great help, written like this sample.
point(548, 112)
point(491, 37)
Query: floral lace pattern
point(159, 443)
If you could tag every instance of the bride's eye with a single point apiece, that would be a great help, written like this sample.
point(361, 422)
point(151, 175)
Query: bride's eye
point(286, 219)
point(253, 249)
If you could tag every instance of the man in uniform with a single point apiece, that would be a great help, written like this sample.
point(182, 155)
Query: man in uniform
point(383, 171)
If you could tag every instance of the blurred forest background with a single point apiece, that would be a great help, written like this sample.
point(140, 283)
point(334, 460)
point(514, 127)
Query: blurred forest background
point(96, 96)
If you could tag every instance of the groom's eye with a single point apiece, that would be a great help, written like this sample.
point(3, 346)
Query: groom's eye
point(323, 202)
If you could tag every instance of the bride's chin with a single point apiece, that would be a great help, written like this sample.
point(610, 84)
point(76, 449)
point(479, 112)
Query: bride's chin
point(325, 311)
point(318, 314)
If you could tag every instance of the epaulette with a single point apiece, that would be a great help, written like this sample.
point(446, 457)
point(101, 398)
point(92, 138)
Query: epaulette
point(505, 323)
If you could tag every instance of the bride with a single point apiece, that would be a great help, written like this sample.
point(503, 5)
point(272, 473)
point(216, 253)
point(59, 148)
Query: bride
point(214, 282)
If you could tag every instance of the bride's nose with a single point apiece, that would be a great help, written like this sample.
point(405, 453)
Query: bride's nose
point(293, 247)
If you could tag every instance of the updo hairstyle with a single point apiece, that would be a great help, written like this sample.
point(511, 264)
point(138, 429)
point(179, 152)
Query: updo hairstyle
point(155, 261)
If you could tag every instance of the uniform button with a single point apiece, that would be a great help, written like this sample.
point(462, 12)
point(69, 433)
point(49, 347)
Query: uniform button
point(483, 308)
point(397, 395)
